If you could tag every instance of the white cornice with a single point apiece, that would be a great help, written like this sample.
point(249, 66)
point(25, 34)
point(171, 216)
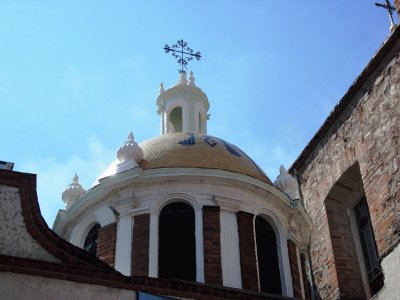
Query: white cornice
point(113, 184)
point(227, 204)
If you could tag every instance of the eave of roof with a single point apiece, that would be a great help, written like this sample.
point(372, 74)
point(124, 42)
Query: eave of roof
point(346, 99)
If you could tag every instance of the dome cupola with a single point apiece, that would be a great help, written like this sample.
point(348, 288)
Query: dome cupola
point(183, 107)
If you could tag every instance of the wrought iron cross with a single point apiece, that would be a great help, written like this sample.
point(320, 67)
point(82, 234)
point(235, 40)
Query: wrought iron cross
point(390, 9)
point(184, 54)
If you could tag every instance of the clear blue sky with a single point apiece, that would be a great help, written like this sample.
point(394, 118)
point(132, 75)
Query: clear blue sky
point(77, 76)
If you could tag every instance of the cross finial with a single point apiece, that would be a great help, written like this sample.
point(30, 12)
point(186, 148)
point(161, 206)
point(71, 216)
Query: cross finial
point(390, 9)
point(184, 54)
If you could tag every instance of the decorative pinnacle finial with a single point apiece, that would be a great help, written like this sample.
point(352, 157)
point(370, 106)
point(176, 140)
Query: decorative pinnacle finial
point(162, 90)
point(390, 9)
point(179, 54)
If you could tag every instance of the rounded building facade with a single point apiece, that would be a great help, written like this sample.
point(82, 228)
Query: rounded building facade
point(190, 206)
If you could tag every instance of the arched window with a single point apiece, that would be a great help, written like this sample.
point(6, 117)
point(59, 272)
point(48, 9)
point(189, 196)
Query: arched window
point(267, 256)
point(177, 245)
point(353, 244)
point(175, 120)
point(90, 244)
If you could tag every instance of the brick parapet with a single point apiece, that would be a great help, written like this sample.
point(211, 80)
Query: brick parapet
point(212, 245)
point(106, 243)
point(140, 245)
point(247, 250)
point(82, 274)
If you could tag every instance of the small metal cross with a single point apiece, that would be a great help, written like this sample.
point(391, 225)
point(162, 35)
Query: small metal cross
point(184, 55)
point(390, 9)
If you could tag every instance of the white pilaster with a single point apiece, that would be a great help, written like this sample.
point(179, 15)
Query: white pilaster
point(123, 247)
point(230, 255)
point(199, 244)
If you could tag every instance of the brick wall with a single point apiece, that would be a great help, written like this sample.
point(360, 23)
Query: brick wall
point(345, 257)
point(106, 242)
point(294, 269)
point(140, 247)
point(248, 262)
point(212, 245)
point(364, 130)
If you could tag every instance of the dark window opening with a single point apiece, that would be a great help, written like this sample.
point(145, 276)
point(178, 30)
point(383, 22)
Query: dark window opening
point(91, 240)
point(367, 241)
point(177, 245)
point(175, 118)
point(267, 254)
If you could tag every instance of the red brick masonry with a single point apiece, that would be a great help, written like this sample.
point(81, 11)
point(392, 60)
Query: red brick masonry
point(212, 245)
point(140, 247)
point(248, 262)
point(106, 242)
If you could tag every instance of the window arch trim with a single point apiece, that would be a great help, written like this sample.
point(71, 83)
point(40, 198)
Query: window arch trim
point(154, 221)
point(103, 216)
point(283, 254)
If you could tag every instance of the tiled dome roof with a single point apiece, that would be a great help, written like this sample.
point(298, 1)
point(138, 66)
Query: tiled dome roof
point(189, 150)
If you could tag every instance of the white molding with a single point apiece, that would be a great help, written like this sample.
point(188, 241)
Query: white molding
point(103, 216)
point(227, 204)
point(154, 218)
point(107, 184)
point(283, 254)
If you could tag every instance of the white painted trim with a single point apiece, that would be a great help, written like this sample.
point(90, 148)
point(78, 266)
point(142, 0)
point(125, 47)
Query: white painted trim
point(154, 218)
point(106, 184)
point(283, 254)
point(226, 203)
point(103, 216)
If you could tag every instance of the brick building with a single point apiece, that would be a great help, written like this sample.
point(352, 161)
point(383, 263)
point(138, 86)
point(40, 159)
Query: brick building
point(188, 215)
point(349, 181)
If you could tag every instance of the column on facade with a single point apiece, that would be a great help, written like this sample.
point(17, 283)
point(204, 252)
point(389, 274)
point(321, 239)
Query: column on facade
point(124, 236)
point(230, 254)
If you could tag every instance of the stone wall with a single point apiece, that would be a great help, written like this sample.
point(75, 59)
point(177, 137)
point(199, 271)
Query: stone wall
point(15, 239)
point(363, 131)
point(28, 287)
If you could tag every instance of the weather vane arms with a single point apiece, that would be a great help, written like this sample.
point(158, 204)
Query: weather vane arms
point(390, 9)
point(183, 53)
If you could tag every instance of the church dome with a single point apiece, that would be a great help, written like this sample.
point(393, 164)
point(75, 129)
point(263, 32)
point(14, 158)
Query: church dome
point(191, 150)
